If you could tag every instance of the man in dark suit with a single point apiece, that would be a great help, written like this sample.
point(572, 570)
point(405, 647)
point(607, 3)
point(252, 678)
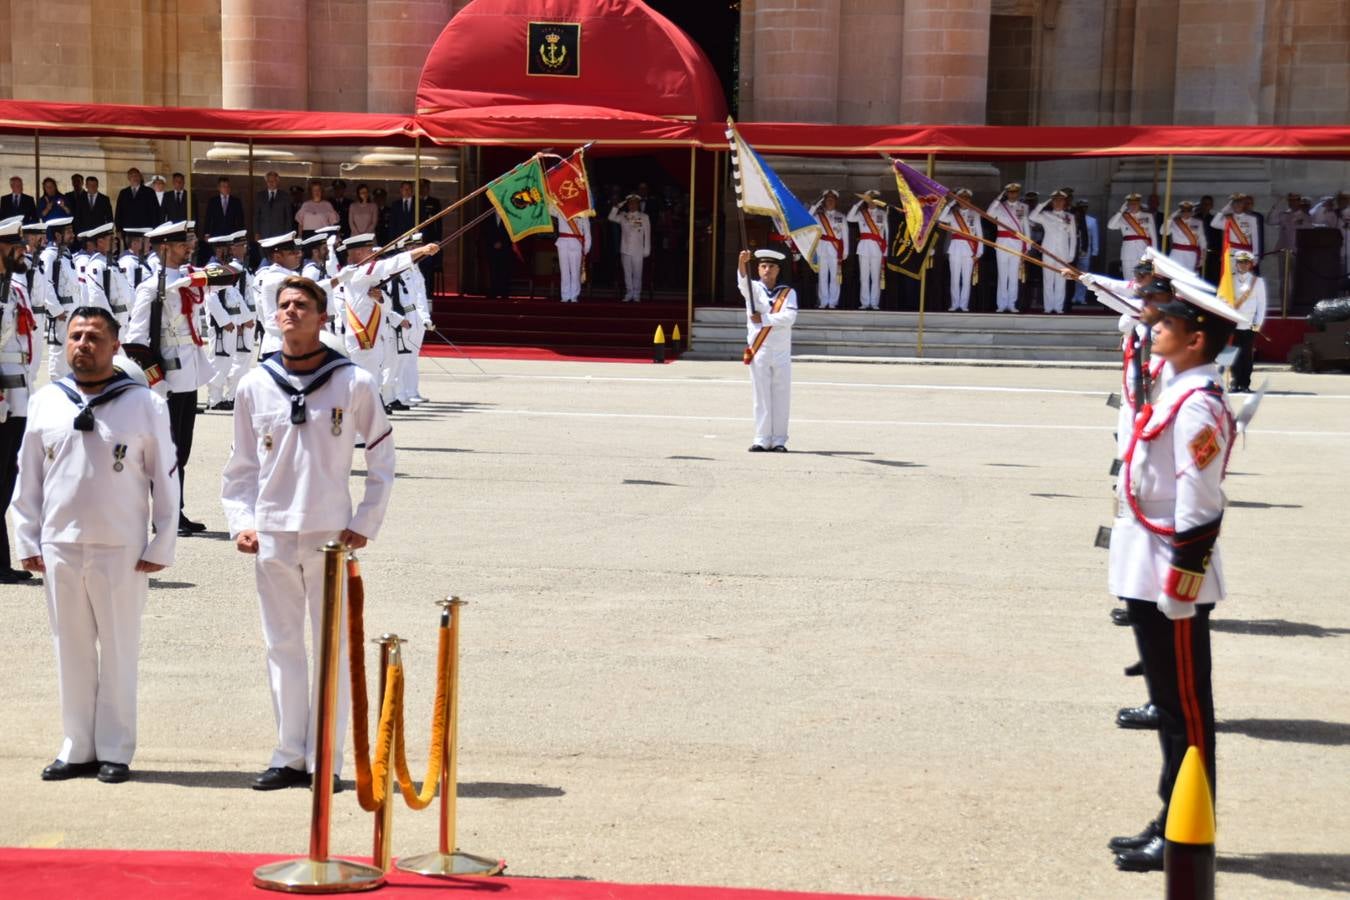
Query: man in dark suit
point(402, 211)
point(343, 204)
point(91, 209)
point(76, 188)
point(17, 203)
point(176, 203)
point(431, 233)
point(224, 212)
point(272, 209)
point(136, 204)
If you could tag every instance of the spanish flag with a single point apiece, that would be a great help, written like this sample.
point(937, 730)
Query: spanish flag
point(1226, 291)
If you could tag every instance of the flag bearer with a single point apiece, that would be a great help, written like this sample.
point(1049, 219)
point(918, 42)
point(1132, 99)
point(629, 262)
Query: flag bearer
point(771, 309)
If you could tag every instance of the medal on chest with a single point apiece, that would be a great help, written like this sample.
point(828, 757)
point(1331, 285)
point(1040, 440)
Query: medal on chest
point(267, 442)
point(337, 421)
point(51, 454)
point(119, 454)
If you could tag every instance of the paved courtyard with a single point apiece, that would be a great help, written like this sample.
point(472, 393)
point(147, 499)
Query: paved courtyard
point(879, 664)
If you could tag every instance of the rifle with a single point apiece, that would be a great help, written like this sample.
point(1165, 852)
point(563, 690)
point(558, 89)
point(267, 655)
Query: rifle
point(148, 357)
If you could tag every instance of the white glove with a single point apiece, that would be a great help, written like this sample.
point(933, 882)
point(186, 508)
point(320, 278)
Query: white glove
point(4, 409)
point(1087, 280)
point(1175, 609)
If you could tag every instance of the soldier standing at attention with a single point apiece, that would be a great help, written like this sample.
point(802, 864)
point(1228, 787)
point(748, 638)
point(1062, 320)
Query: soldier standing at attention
point(874, 235)
point(832, 249)
point(635, 244)
point(1138, 232)
point(1011, 214)
point(771, 309)
point(1186, 237)
point(1061, 239)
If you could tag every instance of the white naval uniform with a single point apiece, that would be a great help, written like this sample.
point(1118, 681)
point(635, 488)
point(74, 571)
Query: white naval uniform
point(418, 318)
point(83, 503)
point(224, 307)
point(246, 333)
point(393, 327)
point(134, 269)
point(266, 283)
point(771, 367)
point(1187, 249)
point(573, 243)
point(1132, 242)
point(831, 252)
point(1249, 292)
point(323, 276)
point(635, 245)
point(1061, 240)
point(1176, 479)
point(186, 365)
point(289, 484)
point(41, 301)
point(16, 351)
point(1243, 231)
point(962, 253)
point(358, 309)
point(59, 270)
point(1135, 335)
point(1011, 216)
point(874, 235)
point(118, 296)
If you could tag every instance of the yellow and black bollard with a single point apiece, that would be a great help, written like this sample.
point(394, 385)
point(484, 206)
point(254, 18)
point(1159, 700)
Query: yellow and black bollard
point(1188, 854)
point(446, 861)
point(675, 346)
point(317, 873)
point(659, 345)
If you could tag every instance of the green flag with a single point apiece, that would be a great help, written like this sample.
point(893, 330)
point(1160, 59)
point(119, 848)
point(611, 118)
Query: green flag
point(521, 200)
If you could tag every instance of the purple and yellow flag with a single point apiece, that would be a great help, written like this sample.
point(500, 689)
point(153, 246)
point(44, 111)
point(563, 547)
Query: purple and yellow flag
point(922, 199)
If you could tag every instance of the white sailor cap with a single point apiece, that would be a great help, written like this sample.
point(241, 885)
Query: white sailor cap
point(97, 231)
point(135, 232)
point(1164, 265)
point(159, 178)
point(358, 240)
point(168, 233)
point(233, 237)
point(772, 256)
point(59, 222)
point(9, 230)
point(1198, 306)
point(326, 230)
point(414, 238)
point(311, 241)
point(1244, 256)
point(278, 242)
point(35, 227)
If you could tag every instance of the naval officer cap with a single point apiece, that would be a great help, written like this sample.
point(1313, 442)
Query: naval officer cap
point(278, 242)
point(771, 256)
point(1244, 256)
point(98, 231)
point(1134, 195)
point(169, 233)
point(34, 227)
point(964, 192)
point(1059, 194)
point(1012, 187)
point(359, 240)
point(233, 237)
point(59, 222)
point(1205, 310)
point(9, 230)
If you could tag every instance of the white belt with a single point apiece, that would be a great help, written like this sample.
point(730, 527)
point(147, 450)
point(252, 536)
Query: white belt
point(20, 357)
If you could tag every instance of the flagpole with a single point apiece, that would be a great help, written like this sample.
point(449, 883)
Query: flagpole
point(1165, 240)
point(923, 271)
point(440, 215)
point(740, 208)
point(693, 198)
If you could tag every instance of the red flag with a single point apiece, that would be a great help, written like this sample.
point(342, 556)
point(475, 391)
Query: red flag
point(568, 186)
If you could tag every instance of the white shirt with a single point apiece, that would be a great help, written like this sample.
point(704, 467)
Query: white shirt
point(284, 477)
point(867, 243)
point(266, 285)
point(635, 232)
point(956, 244)
point(16, 349)
point(779, 340)
point(580, 226)
point(354, 294)
point(1249, 291)
point(186, 366)
point(70, 489)
point(1061, 230)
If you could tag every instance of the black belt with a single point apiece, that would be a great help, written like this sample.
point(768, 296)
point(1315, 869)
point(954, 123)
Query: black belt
point(13, 381)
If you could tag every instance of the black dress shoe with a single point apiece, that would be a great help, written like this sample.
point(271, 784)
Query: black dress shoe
point(1148, 858)
point(756, 448)
point(1119, 616)
point(278, 777)
point(1145, 717)
point(1135, 670)
point(60, 770)
point(399, 406)
point(194, 527)
point(337, 784)
point(779, 448)
point(113, 773)
point(15, 576)
point(1135, 841)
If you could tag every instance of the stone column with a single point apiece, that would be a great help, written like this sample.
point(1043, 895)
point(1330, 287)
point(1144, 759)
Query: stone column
point(945, 63)
point(264, 58)
point(399, 34)
point(337, 59)
point(1218, 62)
point(871, 37)
point(796, 61)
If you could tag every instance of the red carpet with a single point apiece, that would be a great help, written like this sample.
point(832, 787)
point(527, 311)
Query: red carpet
point(167, 875)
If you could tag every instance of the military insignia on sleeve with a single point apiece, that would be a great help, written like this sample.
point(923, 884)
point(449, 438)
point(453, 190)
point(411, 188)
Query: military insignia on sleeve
point(554, 49)
point(1204, 446)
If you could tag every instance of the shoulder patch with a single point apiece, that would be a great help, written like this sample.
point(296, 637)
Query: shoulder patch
point(1204, 446)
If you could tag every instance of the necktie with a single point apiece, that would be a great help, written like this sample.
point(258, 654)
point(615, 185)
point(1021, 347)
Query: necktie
point(407, 206)
point(224, 204)
point(271, 195)
point(179, 195)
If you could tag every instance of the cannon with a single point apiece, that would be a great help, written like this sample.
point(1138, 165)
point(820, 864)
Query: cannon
point(1327, 343)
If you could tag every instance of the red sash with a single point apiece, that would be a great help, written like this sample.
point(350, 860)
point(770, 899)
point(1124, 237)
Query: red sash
point(965, 232)
point(871, 234)
point(830, 237)
point(1140, 232)
point(749, 355)
point(366, 334)
point(1191, 243)
point(1242, 242)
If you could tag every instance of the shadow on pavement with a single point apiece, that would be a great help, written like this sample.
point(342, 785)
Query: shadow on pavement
point(1274, 628)
point(1321, 871)
point(1294, 731)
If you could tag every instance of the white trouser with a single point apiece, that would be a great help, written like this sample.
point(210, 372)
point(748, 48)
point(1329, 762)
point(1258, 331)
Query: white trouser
point(35, 363)
point(632, 276)
point(1130, 254)
point(961, 262)
point(413, 335)
point(569, 269)
point(1079, 290)
point(1008, 267)
point(57, 367)
point(827, 280)
point(869, 272)
point(218, 388)
point(1053, 294)
point(94, 602)
point(771, 378)
point(1188, 258)
point(289, 568)
point(239, 365)
point(371, 360)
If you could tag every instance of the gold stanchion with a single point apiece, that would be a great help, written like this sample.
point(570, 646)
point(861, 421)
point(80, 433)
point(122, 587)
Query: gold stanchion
point(447, 861)
point(317, 873)
point(382, 853)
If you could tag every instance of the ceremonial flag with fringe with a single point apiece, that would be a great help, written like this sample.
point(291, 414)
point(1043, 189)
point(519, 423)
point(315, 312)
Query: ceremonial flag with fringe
point(760, 192)
point(922, 199)
point(1226, 290)
point(521, 200)
point(569, 188)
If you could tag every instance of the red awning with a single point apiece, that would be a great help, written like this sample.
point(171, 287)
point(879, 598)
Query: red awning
point(561, 126)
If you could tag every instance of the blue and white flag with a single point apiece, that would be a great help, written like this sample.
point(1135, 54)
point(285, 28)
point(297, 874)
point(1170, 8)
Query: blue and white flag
point(760, 192)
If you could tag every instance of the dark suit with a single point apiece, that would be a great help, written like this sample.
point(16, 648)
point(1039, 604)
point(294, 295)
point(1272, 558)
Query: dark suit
point(272, 216)
point(402, 216)
point(223, 220)
point(174, 207)
point(139, 210)
point(89, 215)
point(25, 207)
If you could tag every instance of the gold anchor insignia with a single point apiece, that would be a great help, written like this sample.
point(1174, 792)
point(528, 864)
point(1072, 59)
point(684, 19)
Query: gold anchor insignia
point(553, 52)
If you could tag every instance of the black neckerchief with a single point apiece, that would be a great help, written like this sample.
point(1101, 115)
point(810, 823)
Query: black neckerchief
point(116, 386)
point(310, 355)
point(273, 366)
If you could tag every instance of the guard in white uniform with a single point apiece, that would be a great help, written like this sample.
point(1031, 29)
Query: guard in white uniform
point(96, 472)
point(635, 244)
point(18, 333)
point(1165, 559)
point(1240, 226)
point(283, 259)
point(319, 252)
point(246, 334)
point(1011, 214)
point(1137, 231)
point(41, 297)
point(285, 495)
point(771, 309)
point(408, 318)
point(832, 249)
point(225, 319)
point(58, 268)
point(874, 236)
point(102, 283)
point(963, 251)
point(1061, 240)
point(163, 338)
point(1187, 244)
point(1249, 298)
point(132, 262)
point(573, 244)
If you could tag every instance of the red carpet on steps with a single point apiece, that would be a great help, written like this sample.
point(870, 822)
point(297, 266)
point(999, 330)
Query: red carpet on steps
point(167, 875)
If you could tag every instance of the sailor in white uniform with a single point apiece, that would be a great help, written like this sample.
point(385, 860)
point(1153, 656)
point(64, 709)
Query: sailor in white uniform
point(319, 254)
point(96, 472)
point(1011, 214)
point(18, 334)
point(1187, 244)
point(1249, 298)
point(246, 333)
point(1165, 560)
point(635, 244)
point(132, 262)
point(225, 319)
point(1061, 240)
point(41, 297)
point(573, 244)
point(58, 267)
point(771, 309)
point(414, 333)
point(102, 283)
point(285, 495)
point(1242, 228)
point(282, 256)
point(963, 251)
point(874, 235)
point(832, 249)
point(1137, 231)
